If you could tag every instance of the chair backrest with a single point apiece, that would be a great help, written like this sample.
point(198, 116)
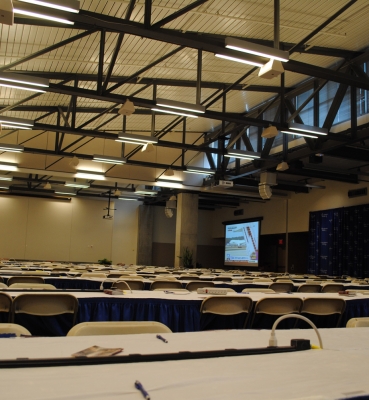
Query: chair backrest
point(3, 285)
point(362, 322)
point(45, 304)
point(332, 287)
point(260, 290)
point(14, 328)
point(226, 305)
point(122, 285)
point(163, 278)
point(256, 280)
point(1, 279)
point(278, 305)
point(310, 288)
point(36, 286)
point(194, 285)
point(117, 328)
point(323, 306)
point(281, 287)
point(39, 273)
point(166, 285)
point(24, 279)
point(135, 284)
point(6, 304)
point(94, 275)
point(189, 277)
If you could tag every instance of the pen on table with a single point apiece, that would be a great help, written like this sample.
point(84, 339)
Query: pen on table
point(138, 385)
point(161, 338)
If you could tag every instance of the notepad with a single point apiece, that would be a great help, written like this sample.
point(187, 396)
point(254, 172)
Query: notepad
point(97, 351)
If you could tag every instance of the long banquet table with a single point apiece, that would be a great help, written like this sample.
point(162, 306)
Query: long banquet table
point(339, 371)
point(180, 312)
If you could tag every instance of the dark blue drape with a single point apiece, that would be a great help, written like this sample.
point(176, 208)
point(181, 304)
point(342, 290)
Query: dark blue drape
point(338, 241)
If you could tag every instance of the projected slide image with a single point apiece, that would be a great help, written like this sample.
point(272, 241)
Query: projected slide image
point(241, 244)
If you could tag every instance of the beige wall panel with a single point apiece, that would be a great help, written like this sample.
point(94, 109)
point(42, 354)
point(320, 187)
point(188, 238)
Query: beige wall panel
point(91, 235)
point(124, 244)
point(164, 228)
point(48, 230)
point(13, 226)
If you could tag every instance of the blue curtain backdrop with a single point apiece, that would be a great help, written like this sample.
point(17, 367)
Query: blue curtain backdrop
point(338, 241)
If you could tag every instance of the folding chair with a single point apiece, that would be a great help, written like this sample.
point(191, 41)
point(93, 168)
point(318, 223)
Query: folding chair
point(324, 307)
point(6, 305)
point(25, 279)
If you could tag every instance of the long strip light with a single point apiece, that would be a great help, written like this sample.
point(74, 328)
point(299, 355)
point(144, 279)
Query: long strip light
point(243, 154)
point(176, 184)
point(17, 123)
point(109, 159)
point(72, 6)
point(33, 11)
point(6, 178)
point(65, 193)
point(256, 49)
point(199, 170)
point(90, 175)
point(136, 139)
point(180, 105)
point(307, 128)
point(163, 110)
point(300, 134)
point(12, 148)
point(19, 81)
point(240, 60)
point(77, 185)
point(6, 166)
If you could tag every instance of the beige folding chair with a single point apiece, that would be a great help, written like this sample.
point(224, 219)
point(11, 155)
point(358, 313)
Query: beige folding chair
point(194, 285)
point(332, 287)
point(45, 304)
point(25, 279)
point(117, 328)
point(223, 278)
point(257, 280)
point(34, 286)
point(166, 285)
point(310, 288)
point(135, 284)
point(38, 273)
point(6, 304)
point(188, 277)
point(277, 306)
point(14, 328)
point(227, 305)
point(362, 322)
point(281, 287)
point(260, 290)
point(1, 279)
point(94, 275)
point(3, 285)
point(324, 306)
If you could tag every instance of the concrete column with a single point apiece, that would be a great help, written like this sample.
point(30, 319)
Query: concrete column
point(144, 236)
point(186, 226)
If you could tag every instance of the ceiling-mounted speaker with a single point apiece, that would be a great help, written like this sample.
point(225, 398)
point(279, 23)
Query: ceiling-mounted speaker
point(268, 178)
point(271, 69)
point(265, 191)
point(128, 108)
point(6, 12)
point(269, 132)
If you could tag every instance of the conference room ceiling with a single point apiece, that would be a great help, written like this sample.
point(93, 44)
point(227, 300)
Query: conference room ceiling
point(145, 50)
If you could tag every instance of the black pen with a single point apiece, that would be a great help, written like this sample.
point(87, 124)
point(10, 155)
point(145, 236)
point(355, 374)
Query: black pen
point(138, 385)
point(161, 338)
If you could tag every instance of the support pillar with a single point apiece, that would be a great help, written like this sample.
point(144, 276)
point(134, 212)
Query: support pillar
point(186, 226)
point(145, 233)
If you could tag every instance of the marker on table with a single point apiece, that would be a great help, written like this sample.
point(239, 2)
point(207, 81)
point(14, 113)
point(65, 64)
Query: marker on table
point(161, 338)
point(138, 385)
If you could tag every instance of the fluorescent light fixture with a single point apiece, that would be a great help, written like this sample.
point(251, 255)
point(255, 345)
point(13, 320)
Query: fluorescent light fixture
point(162, 110)
point(161, 179)
point(200, 171)
point(12, 148)
point(141, 190)
point(169, 183)
point(67, 5)
point(108, 159)
point(68, 193)
point(180, 105)
point(256, 49)
point(4, 188)
point(23, 79)
point(13, 86)
point(90, 175)
point(300, 134)
point(77, 185)
point(35, 14)
point(240, 60)
point(5, 166)
point(18, 123)
point(243, 154)
point(6, 178)
point(127, 198)
point(136, 139)
point(307, 128)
